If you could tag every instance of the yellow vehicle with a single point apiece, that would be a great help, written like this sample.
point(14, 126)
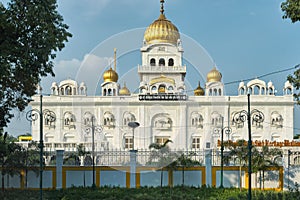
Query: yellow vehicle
point(25, 138)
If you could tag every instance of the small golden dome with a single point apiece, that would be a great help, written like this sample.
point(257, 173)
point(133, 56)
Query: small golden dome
point(214, 76)
point(124, 91)
point(199, 91)
point(162, 31)
point(110, 75)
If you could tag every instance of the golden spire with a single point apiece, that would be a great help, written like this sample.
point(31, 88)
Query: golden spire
point(111, 75)
point(199, 91)
point(162, 6)
point(115, 59)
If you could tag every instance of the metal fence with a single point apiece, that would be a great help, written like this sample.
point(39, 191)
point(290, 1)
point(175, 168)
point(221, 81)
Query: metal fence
point(122, 158)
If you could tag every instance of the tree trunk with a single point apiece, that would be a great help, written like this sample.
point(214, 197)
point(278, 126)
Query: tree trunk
point(260, 180)
point(240, 178)
point(26, 180)
point(263, 179)
point(2, 180)
point(182, 176)
point(84, 178)
point(7, 183)
point(161, 177)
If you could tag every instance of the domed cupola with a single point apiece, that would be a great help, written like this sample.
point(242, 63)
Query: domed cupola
point(124, 91)
point(199, 91)
point(214, 76)
point(214, 85)
point(162, 30)
point(110, 75)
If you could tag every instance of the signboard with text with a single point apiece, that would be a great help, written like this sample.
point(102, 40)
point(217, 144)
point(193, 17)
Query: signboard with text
point(162, 97)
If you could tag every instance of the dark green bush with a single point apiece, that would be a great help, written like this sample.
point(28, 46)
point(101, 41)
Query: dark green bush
point(148, 193)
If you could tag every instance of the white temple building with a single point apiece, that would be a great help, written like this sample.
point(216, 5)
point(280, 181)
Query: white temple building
point(161, 106)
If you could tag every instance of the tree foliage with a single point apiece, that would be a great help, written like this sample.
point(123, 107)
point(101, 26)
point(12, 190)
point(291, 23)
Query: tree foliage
point(238, 151)
point(185, 161)
point(31, 32)
point(162, 157)
point(14, 158)
point(291, 9)
point(264, 158)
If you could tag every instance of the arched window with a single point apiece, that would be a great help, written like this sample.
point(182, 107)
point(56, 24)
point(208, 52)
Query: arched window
point(104, 92)
point(220, 92)
point(256, 90)
point(242, 91)
point(271, 91)
point(162, 89)
point(262, 91)
point(197, 120)
point(215, 92)
point(69, 120)
point(154, 89)
point(109, 93)
point(109, 120)
point(162, 62)
point(68, 90)
point(171, 62)
point(152, 62)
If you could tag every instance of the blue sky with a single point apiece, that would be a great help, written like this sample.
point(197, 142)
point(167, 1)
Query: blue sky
point(243, 38)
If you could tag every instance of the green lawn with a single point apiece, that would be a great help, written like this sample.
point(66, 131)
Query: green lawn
point(176, 193)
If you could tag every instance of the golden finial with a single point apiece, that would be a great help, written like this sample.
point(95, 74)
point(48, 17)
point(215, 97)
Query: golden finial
point(162, 6)
point(115, 59)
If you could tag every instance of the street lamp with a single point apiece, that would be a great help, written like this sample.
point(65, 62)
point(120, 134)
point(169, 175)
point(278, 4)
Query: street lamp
point(33, 115)
point(98, 129)
point(241, 117)
point(133, 125)
point(227, 132)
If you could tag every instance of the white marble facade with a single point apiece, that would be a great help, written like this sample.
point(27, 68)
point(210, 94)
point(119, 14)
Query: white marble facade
point(161, 106)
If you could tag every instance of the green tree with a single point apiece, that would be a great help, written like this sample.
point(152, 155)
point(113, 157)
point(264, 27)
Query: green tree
point(10, 156)
point(31, 32)
point(239, 152)
point(185, 161)
point(81, 152)
point(31, 159)
point(162, 157)
point(263, 159)
point(291, 10)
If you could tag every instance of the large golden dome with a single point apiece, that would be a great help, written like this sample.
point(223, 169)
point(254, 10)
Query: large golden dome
point(110, 75)
point(214, 76)
point(162, 30)
point(199, 91)
point(124, 91)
